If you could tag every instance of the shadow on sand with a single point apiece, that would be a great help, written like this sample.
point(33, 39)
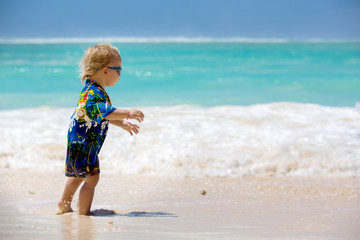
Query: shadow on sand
point(111, 213)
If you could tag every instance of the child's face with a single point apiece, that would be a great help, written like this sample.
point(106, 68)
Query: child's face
point(113, 75)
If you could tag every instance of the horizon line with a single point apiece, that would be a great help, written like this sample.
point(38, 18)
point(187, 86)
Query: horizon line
point(178, 39)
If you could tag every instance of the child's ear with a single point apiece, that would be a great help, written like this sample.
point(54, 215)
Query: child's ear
point(105, 71)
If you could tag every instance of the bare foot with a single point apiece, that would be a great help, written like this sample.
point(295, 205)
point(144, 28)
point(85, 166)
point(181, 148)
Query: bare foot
point(64, 207)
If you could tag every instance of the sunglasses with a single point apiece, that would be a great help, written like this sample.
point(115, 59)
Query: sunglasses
point(118, 69)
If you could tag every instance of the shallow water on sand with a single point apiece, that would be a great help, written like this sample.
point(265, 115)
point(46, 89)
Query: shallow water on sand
point(157, 208)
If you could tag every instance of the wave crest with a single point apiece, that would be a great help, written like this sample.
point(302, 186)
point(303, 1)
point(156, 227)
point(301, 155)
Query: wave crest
point(167, 40)
point(287, 139)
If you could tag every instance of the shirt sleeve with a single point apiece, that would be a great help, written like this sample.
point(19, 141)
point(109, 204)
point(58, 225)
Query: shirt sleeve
point(97, 108)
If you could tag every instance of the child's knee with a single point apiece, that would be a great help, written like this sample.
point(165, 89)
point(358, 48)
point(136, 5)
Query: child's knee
point(74, 181)
point(93, 180)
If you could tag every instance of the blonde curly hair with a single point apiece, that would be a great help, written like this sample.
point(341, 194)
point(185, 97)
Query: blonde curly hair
point(97, 56)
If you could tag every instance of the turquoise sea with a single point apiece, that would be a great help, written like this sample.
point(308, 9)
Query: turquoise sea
point(229, 108)
point(205, 73)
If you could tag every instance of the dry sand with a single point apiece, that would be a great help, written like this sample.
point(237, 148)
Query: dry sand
point(187, 208)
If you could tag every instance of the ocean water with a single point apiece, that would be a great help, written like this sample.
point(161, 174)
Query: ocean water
point(236, 107)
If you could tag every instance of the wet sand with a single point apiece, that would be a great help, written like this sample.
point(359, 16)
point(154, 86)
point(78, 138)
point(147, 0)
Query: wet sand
point(136, 207)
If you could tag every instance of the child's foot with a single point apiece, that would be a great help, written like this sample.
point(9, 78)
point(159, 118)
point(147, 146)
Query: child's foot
point(64, 207)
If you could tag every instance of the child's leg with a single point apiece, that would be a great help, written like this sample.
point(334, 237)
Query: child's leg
point(87, 194)
point(71, 186)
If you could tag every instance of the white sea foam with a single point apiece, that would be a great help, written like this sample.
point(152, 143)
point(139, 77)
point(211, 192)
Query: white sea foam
point(267, 139)
point(167, 40)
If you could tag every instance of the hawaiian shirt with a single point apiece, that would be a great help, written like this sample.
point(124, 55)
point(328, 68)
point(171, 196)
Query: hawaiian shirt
point(87, 131)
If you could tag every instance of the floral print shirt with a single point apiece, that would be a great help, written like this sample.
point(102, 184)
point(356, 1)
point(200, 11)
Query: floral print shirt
point(87, 131)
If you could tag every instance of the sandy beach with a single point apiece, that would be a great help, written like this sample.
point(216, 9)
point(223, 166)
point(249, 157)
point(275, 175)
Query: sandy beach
point(135, 207)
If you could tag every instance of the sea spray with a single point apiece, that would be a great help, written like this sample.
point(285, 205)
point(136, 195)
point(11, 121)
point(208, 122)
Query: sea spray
point(288, 139)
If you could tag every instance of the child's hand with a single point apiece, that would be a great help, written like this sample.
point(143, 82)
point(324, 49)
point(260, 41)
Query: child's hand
point(136, 114)
point(130, 127)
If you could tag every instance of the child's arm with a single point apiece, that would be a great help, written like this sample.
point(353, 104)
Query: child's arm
point(127, 126)
point(120, 114)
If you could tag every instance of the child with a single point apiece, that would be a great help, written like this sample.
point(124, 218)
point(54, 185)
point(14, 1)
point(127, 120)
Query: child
point(100, 68)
